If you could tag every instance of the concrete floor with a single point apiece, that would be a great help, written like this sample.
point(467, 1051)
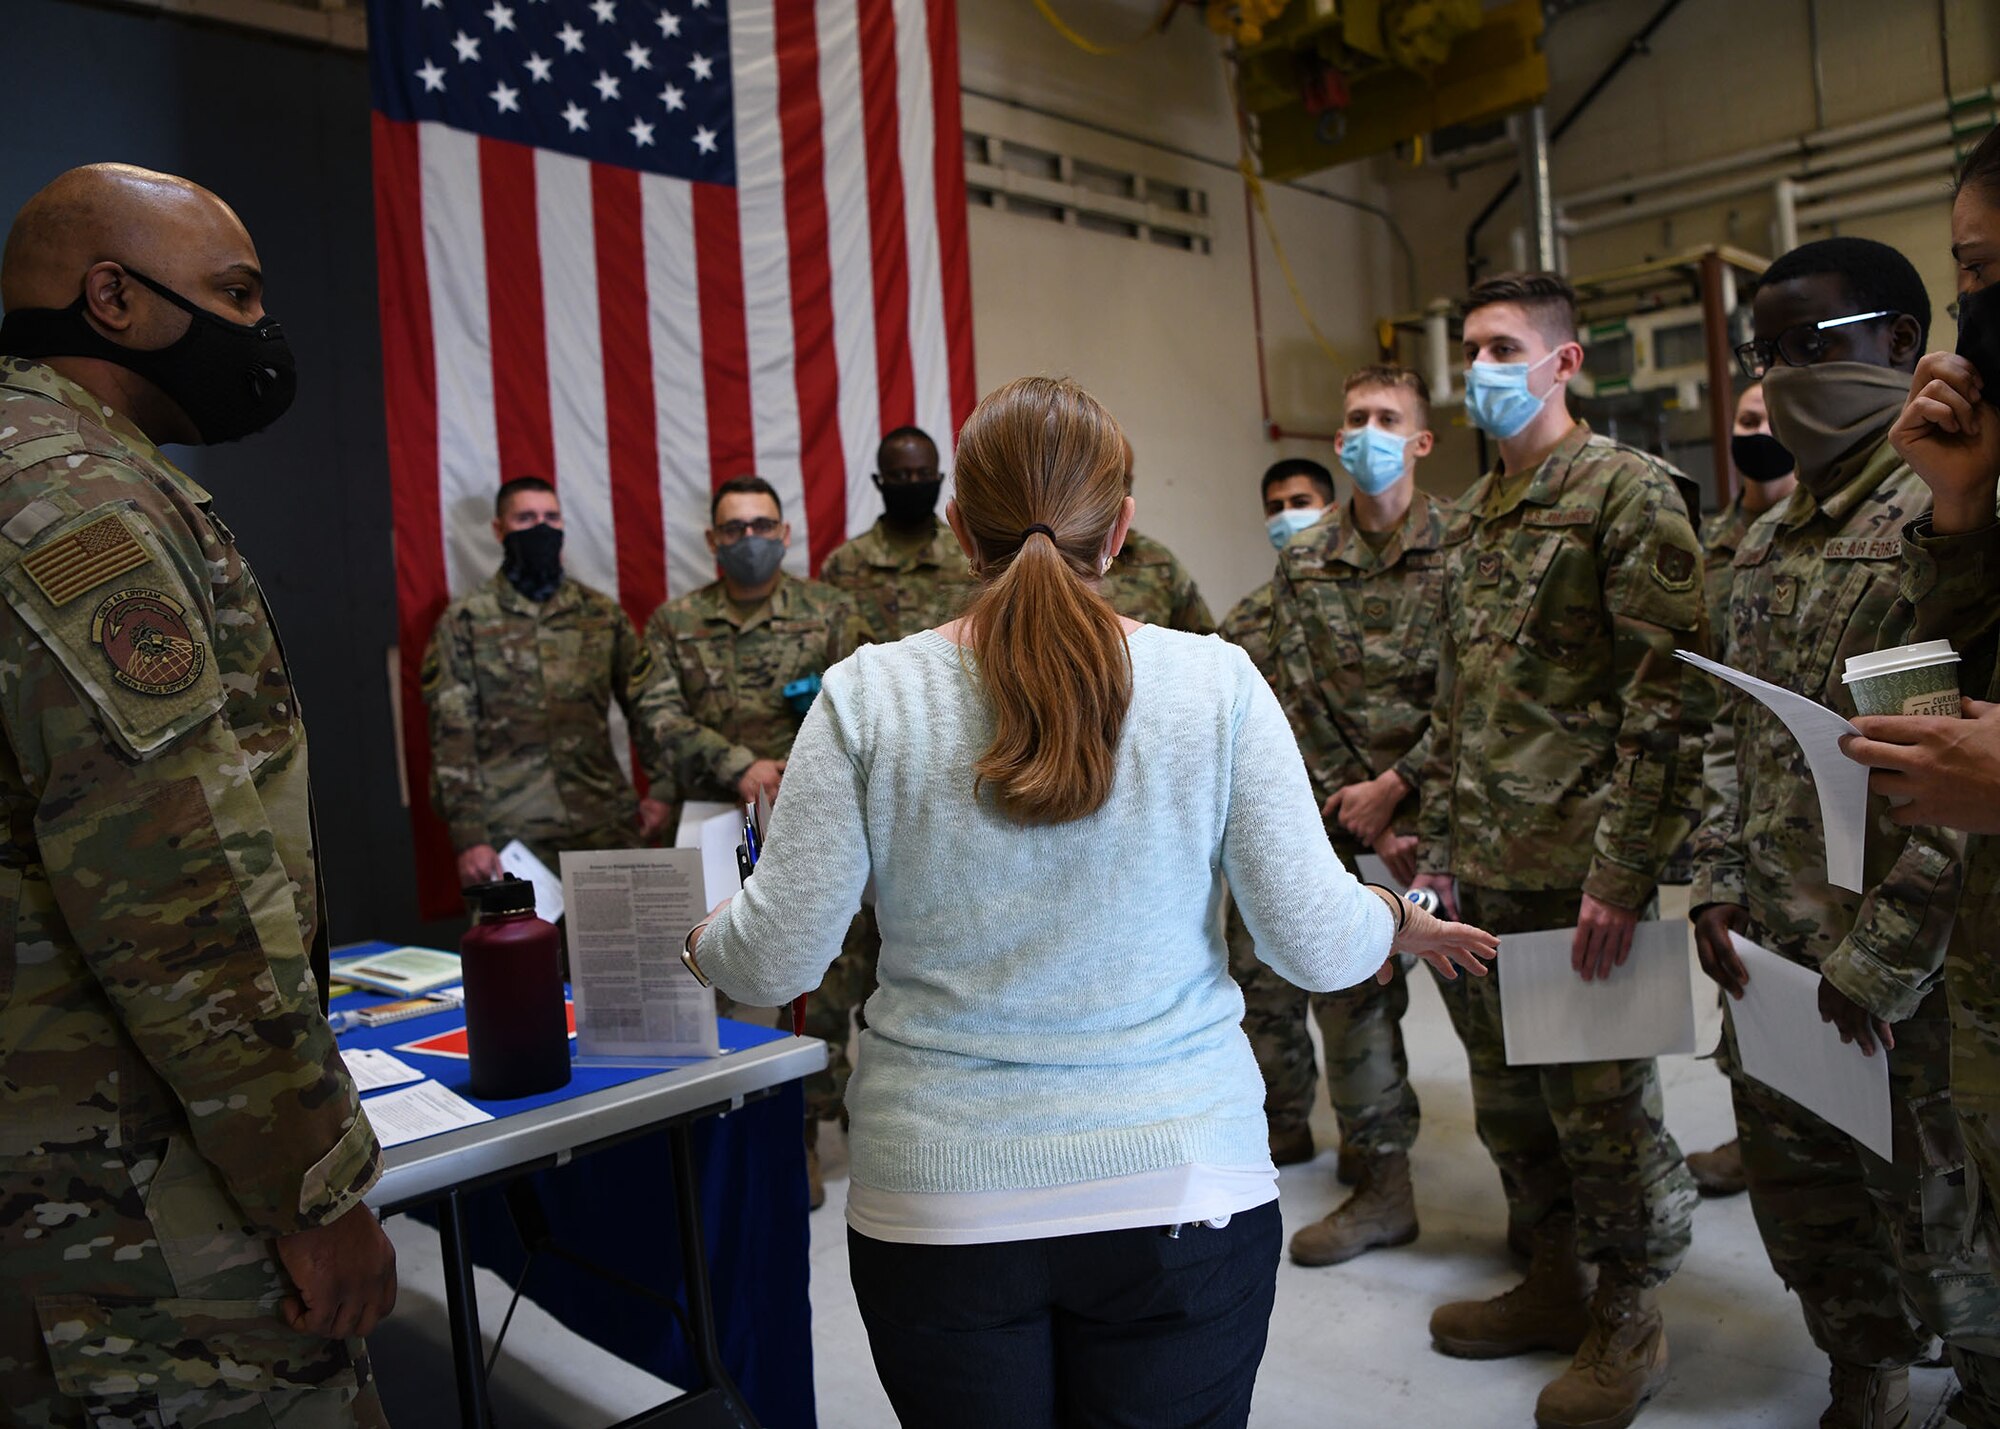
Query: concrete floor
point(1348, 1345)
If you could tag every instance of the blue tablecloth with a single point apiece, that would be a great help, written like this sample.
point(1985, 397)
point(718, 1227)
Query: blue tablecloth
point(616, 1207)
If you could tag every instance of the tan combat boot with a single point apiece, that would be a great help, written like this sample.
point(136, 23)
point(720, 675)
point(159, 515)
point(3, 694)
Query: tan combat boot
point(1719, 1172)
point(1381, 1212)
point(815, 1187)
point(1550, 1310)
point(1622, 1362)
point(1291, 1145)
point(1866, 1398)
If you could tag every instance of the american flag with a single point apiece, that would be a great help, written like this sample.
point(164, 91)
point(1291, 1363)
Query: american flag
point(640, 247)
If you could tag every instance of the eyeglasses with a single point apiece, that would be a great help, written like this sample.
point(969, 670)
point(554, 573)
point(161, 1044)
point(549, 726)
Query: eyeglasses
point(730, 532)
point(1799, 346)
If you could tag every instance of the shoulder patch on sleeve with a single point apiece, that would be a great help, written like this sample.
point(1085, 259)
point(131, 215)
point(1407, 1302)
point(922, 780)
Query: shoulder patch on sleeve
point(140, 653)
point(1675, 567)
point(431, 676)
point(85, 559)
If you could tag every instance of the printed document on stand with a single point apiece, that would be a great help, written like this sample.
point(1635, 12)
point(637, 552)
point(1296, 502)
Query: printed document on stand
point(1783, 1044)
point(628, 912)
point(1550, 1014)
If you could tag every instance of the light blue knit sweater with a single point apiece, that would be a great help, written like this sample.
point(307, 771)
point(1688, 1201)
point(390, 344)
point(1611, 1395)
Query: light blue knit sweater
point(1055, 1003)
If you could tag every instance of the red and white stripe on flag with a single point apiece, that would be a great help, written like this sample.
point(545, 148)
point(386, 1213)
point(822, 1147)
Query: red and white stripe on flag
point(640, 337)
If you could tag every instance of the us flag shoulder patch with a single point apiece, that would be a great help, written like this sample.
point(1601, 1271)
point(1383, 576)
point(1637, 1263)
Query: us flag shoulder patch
point(84, 559)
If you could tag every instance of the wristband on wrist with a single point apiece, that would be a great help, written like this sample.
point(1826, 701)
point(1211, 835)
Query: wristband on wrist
point(687, 953)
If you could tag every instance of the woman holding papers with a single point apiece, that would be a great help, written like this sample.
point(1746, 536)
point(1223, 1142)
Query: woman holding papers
point(1050, 799)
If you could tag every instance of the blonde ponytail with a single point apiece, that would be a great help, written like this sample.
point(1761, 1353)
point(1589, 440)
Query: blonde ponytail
point(1040, 482)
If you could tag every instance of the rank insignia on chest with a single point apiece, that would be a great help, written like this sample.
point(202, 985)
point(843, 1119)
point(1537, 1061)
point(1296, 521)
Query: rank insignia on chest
point(145, 638)
point(1488, 566)
point(1375, 610)
point(1784, 596)
point(85, 559)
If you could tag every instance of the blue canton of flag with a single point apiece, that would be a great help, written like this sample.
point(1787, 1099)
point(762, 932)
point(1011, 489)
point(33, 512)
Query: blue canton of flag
point(636, 83)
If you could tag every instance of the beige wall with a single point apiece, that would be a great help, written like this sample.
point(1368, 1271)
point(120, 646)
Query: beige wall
point(1164, 337)
point(1721, 76)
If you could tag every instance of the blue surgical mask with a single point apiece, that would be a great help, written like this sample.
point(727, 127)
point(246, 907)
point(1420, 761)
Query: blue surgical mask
point(1373, 457)
point(1288, 523)
point(1497, 396)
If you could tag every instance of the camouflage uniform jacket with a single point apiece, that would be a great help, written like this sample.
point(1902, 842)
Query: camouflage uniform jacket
point(1148, 583)
point(158, 873)
point(1816, 580)
point(518, 691)
point(901, 589)
point(1561, 756)
point(719, 704)
point(1720, 542)
point(1954, 582)
point(1248, 625)
point(1356, 630)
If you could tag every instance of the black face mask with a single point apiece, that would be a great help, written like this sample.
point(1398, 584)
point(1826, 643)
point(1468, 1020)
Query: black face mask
point(232, 379)
point(1761, 456)
point(1979, 336)
point(909, 503)
point(532, 561)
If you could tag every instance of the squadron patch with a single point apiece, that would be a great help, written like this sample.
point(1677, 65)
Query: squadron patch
point(1674, 567)
point(84, 559)
point(145, 638)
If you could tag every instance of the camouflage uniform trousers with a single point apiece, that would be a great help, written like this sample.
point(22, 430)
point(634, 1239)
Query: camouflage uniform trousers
point(1882, 1255)
point(129, 1302)
point(1367, 1068)
point(1588, 1137)
point(844, 991)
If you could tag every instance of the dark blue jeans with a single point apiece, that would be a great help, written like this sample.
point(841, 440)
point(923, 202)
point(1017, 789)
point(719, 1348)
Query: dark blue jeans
point(1132, 1329)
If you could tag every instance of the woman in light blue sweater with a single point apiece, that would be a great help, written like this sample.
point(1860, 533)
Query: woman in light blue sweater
point(1062, 1208)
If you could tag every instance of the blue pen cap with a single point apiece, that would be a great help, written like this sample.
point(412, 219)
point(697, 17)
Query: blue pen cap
point(799, 694)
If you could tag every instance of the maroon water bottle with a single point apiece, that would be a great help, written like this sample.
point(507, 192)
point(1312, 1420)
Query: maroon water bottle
point(516, 1029)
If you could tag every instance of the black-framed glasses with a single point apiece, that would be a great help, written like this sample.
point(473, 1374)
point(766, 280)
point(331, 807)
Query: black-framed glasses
point(1799, 346)
point(730, 532)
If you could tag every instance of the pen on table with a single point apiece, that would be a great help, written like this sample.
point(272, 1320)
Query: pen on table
point(444, 997)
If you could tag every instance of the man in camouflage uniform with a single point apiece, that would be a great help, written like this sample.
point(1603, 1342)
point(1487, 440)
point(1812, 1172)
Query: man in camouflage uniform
point(1296, 493)
point(518, 677)
point(906, 572)
point(1355, 622)
point(1147, 582)
point(1875, 1250)
point(740, 661)
point(182, 1154)
point(1765, 475)
point(1560, 774)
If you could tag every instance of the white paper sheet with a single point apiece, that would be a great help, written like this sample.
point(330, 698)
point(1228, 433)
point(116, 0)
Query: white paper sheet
point(1549, 1014)
point(516, 859)
point(695, 813)
point(720, 837)
point(1842, 784)
point(416, 1112)
point(373, 1070)
point(629, 910)
point(1785, 1045)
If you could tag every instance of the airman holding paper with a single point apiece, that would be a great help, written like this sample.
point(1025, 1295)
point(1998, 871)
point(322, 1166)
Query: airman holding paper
point(1876, 1251)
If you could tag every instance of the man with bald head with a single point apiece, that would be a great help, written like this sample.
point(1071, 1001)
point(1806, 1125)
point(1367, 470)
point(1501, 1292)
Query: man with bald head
point(182, 1161)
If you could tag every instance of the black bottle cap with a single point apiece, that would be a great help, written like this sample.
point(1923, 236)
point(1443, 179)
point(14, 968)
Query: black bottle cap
point(509, 895)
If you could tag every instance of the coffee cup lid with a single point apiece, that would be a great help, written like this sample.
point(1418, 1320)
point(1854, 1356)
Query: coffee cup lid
point(1897, 659)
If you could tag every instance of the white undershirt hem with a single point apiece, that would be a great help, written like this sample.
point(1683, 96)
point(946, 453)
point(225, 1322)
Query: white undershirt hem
point(1176, 1195)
